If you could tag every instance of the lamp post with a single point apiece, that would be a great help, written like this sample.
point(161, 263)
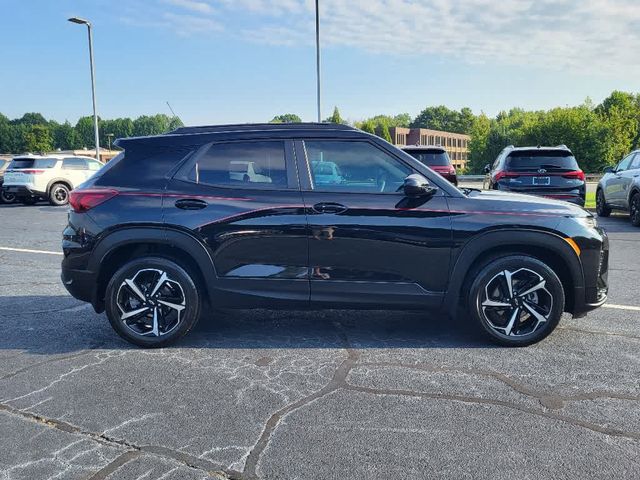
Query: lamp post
point(109, 137)
point(318, 57)
point(82, 21)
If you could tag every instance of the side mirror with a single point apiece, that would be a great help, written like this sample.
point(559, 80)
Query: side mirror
point(415, 185)
point(608, 170)
point(487, 168)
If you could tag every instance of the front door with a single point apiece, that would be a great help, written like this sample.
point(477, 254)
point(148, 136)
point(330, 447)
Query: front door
point(242, 199)
point(369, 244)
point(617, 187)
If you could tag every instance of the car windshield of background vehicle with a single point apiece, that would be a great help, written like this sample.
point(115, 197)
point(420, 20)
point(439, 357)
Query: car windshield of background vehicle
point(532, 161)
point(32, 163)
point(242, 164)
point(431, 159)
point(340, 166)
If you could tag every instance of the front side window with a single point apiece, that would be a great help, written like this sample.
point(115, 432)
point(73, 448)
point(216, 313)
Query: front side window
point(358, 167)
point(635, 165)
point(74, 164)
point(242, 164)
point(94, 166)
point(624, 164)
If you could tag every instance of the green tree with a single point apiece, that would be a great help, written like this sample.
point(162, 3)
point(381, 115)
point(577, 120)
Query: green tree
point(443, 118)
point(64, 136)
point(368, 126)
point(286, 118)
point(383, 132)
point(85, 136)
point(335, 117)
point(37, 138)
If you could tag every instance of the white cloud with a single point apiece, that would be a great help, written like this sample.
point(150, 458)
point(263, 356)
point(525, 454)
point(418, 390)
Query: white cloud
point(185, 24)
point(583, 35)
point(192, 5)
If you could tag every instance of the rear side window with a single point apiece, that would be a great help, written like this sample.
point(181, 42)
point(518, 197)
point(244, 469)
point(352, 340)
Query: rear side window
point(242, 164)
point(435, 158)
point(74, 164)
point(33, 163)
point(534, 160)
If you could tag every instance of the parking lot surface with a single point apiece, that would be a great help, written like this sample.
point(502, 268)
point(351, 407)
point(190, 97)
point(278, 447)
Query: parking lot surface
point(305, 395)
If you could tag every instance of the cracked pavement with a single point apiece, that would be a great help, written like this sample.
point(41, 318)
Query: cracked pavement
point(335, 394)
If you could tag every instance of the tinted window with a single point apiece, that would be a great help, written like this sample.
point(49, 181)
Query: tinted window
point(259, 163)
point(95, 166)
point(353, 167)
point(33, 163)
point(434, 158)
point(74, 164)
point(624, 164)
point(533, 160)
point(635, 165)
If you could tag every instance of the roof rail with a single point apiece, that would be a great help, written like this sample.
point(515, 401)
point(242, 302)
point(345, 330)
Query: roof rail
point(562, 146)
point(258, 126)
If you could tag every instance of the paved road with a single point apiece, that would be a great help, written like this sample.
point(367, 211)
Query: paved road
point(346, 395)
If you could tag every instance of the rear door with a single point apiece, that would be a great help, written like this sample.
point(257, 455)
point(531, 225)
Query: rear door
point(617, 187)
point(369, 244)
point(243, 200)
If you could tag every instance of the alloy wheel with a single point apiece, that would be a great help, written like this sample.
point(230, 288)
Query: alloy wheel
point(8, 197)
point(516, 303)
point(635, 209)
point(151, 303)
point(60, 194)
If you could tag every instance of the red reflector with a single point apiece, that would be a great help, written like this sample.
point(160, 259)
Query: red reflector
point(32, 172)
point(84, 200)
point(576, 175)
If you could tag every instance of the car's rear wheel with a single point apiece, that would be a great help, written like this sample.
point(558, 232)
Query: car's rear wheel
point(6, 197)
point(601, 204)
point(634, 210)
point(516, 300)
point(152, 301)
point(58, 194)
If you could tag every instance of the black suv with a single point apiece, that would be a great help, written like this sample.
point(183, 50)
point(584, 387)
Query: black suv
point(246, 216)
point(551, 172)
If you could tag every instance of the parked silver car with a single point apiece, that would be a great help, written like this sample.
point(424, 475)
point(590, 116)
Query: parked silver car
point(619, 188)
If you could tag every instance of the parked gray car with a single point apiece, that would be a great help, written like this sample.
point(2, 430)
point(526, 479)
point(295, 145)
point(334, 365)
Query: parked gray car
point(619, 188)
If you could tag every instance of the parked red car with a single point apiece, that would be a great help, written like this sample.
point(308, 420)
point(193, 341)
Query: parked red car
point(436, 158)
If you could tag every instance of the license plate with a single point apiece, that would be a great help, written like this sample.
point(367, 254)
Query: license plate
point(541, 180)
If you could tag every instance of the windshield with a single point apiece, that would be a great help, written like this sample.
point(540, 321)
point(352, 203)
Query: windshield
point(32, 163)
point(534, 160)
point(435, 158)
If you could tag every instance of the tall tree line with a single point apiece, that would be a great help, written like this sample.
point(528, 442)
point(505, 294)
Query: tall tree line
point(33, 133)
point(598, 135)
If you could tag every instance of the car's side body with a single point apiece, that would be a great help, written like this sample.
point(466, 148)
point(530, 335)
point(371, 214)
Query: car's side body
point(550, 172)
point(33, 176)
point(292, 244)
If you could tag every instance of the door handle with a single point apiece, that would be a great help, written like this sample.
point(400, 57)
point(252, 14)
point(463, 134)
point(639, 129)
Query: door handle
point(329, 207)
point(191, 204)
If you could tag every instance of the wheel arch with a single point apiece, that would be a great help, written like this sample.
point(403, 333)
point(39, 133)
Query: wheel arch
point(124, 244)
point(62, 180)
point(545, 246)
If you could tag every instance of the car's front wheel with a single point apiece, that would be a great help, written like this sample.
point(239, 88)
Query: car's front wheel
point(601, 204)
point(59, 194)
point(516, 300)
point(152, 301)
point(634, 210)
point(6, 197)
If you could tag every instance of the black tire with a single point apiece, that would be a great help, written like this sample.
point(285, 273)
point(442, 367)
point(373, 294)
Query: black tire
point(634, 210)
point(601, 204)
point(516, 325)
point(179, 290)
point(28, 200)
point(6, 197)
point(58, 194)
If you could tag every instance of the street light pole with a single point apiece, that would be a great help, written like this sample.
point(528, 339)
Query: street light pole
point(318, 57)
point(81, 21)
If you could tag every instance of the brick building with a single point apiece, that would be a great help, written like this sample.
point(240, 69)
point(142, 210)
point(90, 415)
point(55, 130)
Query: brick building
point(456, 144)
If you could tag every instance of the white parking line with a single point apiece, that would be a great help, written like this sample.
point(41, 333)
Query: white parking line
point(622, 307)
point(27, 250)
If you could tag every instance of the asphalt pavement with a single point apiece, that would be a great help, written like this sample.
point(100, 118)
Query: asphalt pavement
point(306, 395)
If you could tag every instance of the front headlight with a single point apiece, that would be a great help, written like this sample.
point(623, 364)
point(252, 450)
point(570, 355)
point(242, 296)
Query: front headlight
point(589, 222)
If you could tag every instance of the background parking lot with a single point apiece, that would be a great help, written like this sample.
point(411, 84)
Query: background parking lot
point(329, 394)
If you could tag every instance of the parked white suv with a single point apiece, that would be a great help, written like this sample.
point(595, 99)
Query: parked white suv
point(52, 177)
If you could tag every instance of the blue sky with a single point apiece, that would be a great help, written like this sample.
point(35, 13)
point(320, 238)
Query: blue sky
point(219, 61)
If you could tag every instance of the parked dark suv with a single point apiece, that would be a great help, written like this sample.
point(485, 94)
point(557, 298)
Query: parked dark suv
point(246, 216)
point(552, 172)
point(436, 158)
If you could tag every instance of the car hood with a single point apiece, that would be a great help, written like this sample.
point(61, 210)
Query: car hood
point(519, 202)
